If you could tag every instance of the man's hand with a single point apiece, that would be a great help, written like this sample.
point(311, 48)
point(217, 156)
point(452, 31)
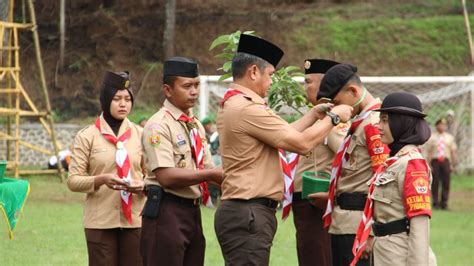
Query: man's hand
point(319, 199)
point(321, 109)
point(368, 249)
point(343, 111)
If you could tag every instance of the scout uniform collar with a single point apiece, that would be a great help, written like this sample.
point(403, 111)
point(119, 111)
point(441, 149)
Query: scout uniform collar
point(248, 93)
point(372, 103)
point(105, 127)
point(174, 111)
point(407, 149)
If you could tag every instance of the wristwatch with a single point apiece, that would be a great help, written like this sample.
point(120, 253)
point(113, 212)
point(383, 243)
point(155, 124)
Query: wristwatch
point(335, 119)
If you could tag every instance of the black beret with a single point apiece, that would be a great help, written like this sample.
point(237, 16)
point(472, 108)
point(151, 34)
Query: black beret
point(119, 80)
point(335, 79)
point(402, 103)
point(181, 67)
point(261, 48)
point(312, 66)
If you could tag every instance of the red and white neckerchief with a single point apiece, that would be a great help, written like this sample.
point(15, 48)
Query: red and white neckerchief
point(288, 165)
point(229, 93)
point(440, 150)
point(122, 163)
point(197, 150)
point(365, 225)
point(339, 160)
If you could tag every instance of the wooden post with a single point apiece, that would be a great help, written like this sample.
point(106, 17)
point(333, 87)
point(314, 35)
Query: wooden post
point(44, 86)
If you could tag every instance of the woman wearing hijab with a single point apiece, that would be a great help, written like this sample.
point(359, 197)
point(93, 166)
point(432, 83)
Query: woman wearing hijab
point(399, 203)
point(107, 166)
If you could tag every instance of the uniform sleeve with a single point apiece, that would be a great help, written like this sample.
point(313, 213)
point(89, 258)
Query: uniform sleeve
point(416, 189)
point(336, 136)
point(378, 151)
point(79, 179)
point(418, 241)
point(260, 122)
point(158, 146)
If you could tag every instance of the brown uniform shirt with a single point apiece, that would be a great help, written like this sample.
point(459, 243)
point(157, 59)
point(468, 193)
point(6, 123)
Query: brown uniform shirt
point(94, 155)
point(166, 144)
point(355, 174)
point(249, 134)
point(432, 145)
point(321, 157)
point(394, 200)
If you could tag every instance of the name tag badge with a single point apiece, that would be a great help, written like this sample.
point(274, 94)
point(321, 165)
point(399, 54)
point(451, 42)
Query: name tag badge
point(181, 142)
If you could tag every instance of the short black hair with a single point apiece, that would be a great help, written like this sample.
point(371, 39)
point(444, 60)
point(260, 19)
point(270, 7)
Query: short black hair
point(242, 61)
point(169, 80)
point(355, 79)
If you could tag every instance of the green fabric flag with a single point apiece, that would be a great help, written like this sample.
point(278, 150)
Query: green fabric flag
point(13, 194)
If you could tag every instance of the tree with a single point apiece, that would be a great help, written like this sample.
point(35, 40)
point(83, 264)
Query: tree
point(168, 34)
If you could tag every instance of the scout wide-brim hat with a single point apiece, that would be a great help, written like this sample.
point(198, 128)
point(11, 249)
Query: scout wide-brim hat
point(402, 103)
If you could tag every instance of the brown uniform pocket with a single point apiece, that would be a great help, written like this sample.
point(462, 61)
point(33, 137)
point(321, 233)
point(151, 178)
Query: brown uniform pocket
point(384, 189)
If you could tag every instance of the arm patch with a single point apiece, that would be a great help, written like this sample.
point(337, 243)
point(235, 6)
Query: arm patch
point(416, 190)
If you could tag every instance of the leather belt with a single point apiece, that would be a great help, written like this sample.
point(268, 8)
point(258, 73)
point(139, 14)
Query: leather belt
point(395, 227)
point(273, 204)
point(297, 196)
point(177, 199)
point(351, 201)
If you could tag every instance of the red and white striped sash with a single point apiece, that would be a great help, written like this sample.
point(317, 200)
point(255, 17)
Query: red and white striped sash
point(288, 164)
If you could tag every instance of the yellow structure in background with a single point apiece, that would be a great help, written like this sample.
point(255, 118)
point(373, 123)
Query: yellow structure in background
point(15, 103)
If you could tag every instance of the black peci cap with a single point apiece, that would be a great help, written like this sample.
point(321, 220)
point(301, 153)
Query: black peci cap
point(321, 66)
point(402, 103)
point(335, 79)
point(181, 67)
point(261, 48)
point(119, 80)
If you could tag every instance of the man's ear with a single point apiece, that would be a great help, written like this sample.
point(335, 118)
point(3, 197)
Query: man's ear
point(253, 72)
point(167, 90)
point(353, 89)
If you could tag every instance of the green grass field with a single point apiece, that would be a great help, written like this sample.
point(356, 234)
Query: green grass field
point(50, 230)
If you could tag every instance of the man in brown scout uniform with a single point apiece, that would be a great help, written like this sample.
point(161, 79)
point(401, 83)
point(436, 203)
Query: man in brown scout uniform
point(177, 154)
point(441, 150)
point(313, 241)
point(250, 135)
point(358, 157)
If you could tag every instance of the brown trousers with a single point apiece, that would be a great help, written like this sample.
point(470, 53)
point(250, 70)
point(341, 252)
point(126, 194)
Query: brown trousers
point(441, 172)
point(245, 232)
point(313, 242)
point(110, 247)
point(175, 237)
